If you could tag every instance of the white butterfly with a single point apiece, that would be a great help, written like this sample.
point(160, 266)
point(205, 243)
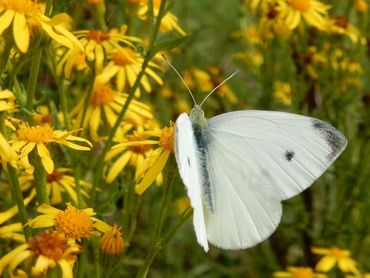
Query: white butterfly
point(239, 166)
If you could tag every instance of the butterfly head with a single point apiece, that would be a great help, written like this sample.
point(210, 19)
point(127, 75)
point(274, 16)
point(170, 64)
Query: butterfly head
point(197, 116)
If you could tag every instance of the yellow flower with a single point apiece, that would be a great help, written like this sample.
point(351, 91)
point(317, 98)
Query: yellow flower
point(283, 92)
point(314, 12)
point(97, 44)
point(28, 138)
point(168, 23)
point(125, 64)
point(44, 251)
point(7, 101)
point(341, 26)
point(103, 108)
point(131, 151)
point(27, 18)
point(112, 242)
point(153, 165)
point(332, 257)
point(361, 6)
point(7, 154)
point(59, 182)
point(298, 272)
point(74, 223)
point(13, 231)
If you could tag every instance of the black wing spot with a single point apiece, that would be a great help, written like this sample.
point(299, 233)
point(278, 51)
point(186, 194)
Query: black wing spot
point(189, 161)
point(289, 155)
point(333, 137)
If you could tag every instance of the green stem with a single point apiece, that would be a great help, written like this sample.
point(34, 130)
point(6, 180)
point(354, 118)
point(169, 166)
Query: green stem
point(15, 186)
point(156, 246)
point(48, 7)
point(39, 176)
point(108, 144)
point(161, 244)
point(32, 81)
point(17, 196)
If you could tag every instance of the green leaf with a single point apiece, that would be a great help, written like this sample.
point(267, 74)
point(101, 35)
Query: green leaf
point(167, 45)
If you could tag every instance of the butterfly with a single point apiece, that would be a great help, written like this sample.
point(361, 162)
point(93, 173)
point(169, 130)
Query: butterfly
point(239, 166)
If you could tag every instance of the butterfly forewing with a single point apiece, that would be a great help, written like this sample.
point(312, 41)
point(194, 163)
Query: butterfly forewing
point(189, 168)
point(255, 160)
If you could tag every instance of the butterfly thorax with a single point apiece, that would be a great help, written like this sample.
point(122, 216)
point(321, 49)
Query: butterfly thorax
point(201, 134)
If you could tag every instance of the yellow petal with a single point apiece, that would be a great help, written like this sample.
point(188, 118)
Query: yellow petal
point(6, 19)
point(21, 33)
point(152, 173)
point(325, 264)
point(42, 221)
point(5, 260)
point(117, 167)
point(46, 160)
point(66, 269)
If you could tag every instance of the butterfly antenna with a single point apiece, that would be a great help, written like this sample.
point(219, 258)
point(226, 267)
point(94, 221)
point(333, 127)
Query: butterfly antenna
point(218, 86)
point(178, 74)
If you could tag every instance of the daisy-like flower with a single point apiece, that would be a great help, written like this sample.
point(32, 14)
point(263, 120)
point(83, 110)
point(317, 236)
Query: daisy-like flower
point(132, 151)
point(125, 64)
point(283, 92)
point(74, 223)
point(103, 108)
point(314, 12)
point(334, 256)
point(59, 182)
point(13, 231)
point(28, 18)
point(168, 23)
point(97, 44)
point(298, 272)
point(340, 25)
point(27, 138)
point(7, 101)
point(44, 251)
point(155, 162)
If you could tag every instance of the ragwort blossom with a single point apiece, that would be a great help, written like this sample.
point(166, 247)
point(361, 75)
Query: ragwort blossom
point(28, 138)
point(27, 18)
point(42, 252)
point(73, 222)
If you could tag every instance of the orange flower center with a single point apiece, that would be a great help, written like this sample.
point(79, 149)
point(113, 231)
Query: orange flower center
point(51, 244)
point(125, 57)
point(157, 4)
point(22, 6)
point(54, 176)
point(167, 138)
point(341, 21)
point(338, 252)
point(97, 35)
point(74, 223)
point(141, 149)
point(37, 134)
point(300, 5)
point(112, 242)
point(303, 272)
point(101, 95)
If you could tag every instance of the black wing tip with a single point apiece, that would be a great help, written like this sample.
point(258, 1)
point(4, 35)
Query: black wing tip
point(333, 137)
